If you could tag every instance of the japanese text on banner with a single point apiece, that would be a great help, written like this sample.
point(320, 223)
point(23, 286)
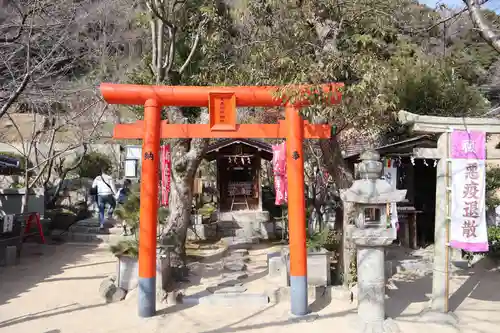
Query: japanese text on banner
point(468, 230)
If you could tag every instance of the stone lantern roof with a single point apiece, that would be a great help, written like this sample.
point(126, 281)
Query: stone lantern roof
point(370, 189)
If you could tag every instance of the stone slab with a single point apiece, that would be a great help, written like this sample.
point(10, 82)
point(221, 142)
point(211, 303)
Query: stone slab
point(235, 266)
point(235, 276)
point(233, 289)
point(228, 299)
point(276, 267)
point(318, 267)
point(282, 294)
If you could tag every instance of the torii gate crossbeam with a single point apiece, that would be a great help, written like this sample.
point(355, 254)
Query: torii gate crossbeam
point(222, 103)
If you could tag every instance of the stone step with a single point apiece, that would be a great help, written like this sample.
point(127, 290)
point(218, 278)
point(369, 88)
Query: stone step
point(93, 229)
point(113, 237)
point(235, 243)
point(228, 299)
point(90, 222)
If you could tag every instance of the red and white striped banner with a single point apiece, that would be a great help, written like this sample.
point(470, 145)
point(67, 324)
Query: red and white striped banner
point(165, 174)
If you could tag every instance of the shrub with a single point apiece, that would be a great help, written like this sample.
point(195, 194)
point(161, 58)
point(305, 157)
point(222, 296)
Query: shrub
point(92, 164)
point(328, 239)
point(494, 241)
point(129, 248)
point(129, 213)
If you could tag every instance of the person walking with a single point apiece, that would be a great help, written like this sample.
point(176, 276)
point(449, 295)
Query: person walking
point(122, 197)
point(104, 187)
point(123, 193)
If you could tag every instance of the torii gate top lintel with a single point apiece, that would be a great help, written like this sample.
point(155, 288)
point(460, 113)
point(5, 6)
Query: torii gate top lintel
point(198, 96)
point(436, 124)
point(222, 103)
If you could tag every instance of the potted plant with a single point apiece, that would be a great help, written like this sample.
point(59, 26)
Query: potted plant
point(127, 250)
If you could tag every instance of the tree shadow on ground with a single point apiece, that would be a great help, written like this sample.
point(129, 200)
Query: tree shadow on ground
point(37, 263)
point(292, 320)
point(322, 300)
point(482, 284)
point(408, 290)
point(48, 313)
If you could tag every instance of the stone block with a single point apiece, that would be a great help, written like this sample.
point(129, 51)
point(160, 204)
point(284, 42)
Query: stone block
point(10, 255)
point(233, 289)
point(389, 270)
point(283, 294)
point(231, 278)
point(110, 292)
point(235, 266)
point(229, 299)
point(273, 255)
point(340, 293)
point(276, 267)
point(318, 268)
point(239, 253)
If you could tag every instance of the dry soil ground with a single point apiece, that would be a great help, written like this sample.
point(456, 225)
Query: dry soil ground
point(55, 290)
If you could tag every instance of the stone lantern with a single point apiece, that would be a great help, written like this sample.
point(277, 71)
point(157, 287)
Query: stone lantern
point(372, 233)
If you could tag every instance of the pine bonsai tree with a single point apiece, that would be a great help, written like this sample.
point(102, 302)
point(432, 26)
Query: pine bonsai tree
point(129, 213)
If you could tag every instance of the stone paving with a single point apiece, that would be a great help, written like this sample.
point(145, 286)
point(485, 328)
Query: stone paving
point(55, 290)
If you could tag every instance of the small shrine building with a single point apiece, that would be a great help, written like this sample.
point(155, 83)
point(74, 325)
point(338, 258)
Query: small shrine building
point(238, 163)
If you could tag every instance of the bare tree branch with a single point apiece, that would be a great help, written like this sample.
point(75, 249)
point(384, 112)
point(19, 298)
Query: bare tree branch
point(193, 47)
point(451, 17)
point(481, 25)
point(20, 29)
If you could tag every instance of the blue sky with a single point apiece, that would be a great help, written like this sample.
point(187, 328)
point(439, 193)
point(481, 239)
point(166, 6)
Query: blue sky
point(492, 4)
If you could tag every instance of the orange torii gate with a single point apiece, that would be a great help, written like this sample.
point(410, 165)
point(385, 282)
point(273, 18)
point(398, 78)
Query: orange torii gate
point(222, 103)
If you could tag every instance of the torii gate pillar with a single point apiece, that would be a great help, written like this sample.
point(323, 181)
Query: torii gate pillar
point(222, 103)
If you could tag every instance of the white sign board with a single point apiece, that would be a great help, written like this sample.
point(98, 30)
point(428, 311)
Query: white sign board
point(133, 152)
point(130, 168)
point(8, 223)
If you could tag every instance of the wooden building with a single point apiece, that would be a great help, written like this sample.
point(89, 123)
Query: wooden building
point(238, 164)
point(418, 177)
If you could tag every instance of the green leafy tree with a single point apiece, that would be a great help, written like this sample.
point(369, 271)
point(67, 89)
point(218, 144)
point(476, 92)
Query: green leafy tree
point(187, 39)
point(92, 164)
point(371, 46)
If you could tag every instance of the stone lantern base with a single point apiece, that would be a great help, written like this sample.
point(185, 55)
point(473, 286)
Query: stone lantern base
point(387, 326)
point(370, 244)
point(433, 316)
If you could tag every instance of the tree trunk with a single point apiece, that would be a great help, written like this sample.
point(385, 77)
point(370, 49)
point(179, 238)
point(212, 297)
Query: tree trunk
point(180, 218)
point(186, 158)
point(343, 178)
